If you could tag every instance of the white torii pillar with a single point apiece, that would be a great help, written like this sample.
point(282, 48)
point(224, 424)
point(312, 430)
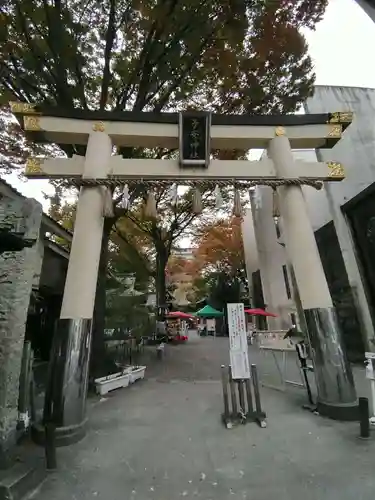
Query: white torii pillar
point(250, 249)
point(271, 259)
point(334, 379)
point(69, 360)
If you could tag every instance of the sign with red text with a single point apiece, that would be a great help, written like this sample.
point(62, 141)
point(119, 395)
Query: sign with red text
point(238, 349)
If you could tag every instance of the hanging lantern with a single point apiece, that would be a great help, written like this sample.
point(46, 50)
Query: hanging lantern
point(275, 205)
point(197, 201)
point(107, 202)
point(237, 207)
point(218, 197)
point(150, 207)
point(125, 201)
point(172, 194)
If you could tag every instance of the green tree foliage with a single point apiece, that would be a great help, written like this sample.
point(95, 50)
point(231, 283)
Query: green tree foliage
point(231, 55)
point(219, 263)
point(130, 252)
point(159, 235)
point(243, 56)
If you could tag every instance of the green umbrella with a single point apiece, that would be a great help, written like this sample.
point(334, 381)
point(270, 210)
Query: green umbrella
point(209, 312)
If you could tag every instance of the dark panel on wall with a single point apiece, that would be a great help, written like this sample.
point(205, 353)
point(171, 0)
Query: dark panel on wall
point(341, 292)
point(371, 3)
point(53, 274)
point(361, 216)
point(258, 299)
point(287, 284)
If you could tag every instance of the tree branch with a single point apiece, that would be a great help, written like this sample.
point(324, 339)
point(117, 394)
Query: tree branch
point(39, 58)
point(166, 96)
point(183, 227)
point(138, 224)
point(109, 41)
point(148, 64)
point(20, 93)
point(141, 258)
point(146, 46)
point(55, 33)
point(25, 82)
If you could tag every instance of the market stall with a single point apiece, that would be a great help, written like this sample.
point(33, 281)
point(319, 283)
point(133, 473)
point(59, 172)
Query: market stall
point(208, 315)
point(177, 326)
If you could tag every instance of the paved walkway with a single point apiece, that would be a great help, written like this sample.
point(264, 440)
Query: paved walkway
point(162, 439)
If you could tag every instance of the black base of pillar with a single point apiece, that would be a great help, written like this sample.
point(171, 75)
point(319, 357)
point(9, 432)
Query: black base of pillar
point(66, 392)
point(64, 435)
point(333, 376)
point(344, 413)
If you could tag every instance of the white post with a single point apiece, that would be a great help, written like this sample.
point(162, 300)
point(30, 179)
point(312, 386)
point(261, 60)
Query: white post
point(66, 394)
point(336, 392)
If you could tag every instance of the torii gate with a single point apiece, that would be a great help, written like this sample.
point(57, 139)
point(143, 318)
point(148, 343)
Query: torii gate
point(194, 134)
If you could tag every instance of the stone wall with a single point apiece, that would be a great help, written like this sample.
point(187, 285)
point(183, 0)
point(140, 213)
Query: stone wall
point(17, 270)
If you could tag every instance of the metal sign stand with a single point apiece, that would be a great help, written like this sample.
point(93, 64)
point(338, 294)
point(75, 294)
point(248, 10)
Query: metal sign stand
point(237, 377)
point(242, 402)
point(305, 368)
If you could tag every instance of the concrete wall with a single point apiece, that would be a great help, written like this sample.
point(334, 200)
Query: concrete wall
point(368, 6)
point(356, 151)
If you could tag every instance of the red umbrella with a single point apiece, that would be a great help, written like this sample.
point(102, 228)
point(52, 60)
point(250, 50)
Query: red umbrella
point(180, 314)
point(260, 312)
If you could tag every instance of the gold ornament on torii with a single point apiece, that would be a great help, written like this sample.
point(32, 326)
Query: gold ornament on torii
point(279, 131)
point(31, 123)
point(341, 117)
point(336, 131)
point(25, 108)
point(337, 170)
point(33, 166)
point(98, 127)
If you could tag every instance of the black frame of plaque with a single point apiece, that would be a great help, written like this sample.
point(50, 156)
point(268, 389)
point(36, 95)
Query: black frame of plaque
point(201, 154)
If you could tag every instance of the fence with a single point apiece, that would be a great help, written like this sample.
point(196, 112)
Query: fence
point(278, 362)
point(124, 351)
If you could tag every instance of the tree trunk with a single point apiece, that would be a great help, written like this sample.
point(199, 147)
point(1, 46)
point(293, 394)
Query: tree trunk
point(100, 364)
point(160, 282)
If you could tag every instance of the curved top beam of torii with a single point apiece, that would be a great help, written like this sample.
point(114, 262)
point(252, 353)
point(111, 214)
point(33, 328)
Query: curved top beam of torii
point(195, 134)
point(142, 129)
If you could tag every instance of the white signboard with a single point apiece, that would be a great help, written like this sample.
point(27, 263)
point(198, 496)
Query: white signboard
point(238, 341)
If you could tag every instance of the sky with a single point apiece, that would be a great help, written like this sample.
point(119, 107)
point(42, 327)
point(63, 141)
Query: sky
point(340, 48)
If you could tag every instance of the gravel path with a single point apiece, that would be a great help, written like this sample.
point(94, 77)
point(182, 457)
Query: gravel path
point(162, 439)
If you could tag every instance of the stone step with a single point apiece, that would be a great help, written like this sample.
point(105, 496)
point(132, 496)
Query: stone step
point(22, 479)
